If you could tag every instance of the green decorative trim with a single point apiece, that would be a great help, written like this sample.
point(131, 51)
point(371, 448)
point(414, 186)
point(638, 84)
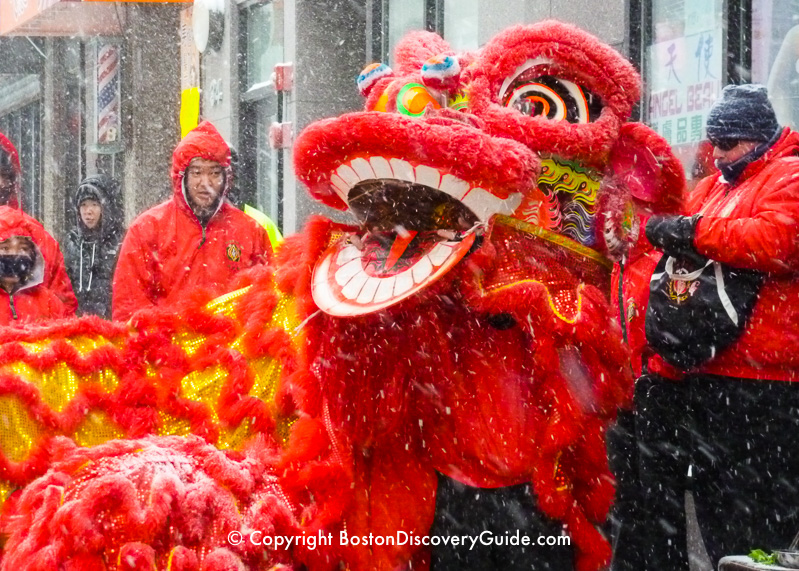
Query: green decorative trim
point(559, 239)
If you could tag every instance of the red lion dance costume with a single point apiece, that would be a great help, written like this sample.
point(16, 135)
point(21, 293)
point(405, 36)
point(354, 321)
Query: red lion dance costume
point(461, 332)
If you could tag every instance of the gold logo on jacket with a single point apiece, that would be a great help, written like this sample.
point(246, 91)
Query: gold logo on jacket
point(233, 252)
point(680, 290)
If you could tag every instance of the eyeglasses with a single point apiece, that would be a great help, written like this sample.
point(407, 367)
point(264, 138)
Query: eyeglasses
point(725, 144)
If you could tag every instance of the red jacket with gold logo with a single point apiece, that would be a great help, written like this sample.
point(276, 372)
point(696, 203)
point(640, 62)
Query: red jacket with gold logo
point(167, 253)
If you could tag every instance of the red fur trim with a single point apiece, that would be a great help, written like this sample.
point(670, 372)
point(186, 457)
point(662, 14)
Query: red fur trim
point(184, 559)
point(297, 257)
point(499, 165)
point(136, 557)
point(222, 559)
point(62, 328)
point(577, 56)
point(67, 516)
point(376, 93)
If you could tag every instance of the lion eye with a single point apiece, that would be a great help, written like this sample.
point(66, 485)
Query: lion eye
point(413, 98)
point(552, 97)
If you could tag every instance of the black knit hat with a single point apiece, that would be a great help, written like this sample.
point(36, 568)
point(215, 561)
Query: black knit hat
point(743, 112)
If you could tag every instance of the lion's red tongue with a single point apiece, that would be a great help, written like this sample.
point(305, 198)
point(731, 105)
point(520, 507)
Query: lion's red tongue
point(350, 281)
point(398, 248)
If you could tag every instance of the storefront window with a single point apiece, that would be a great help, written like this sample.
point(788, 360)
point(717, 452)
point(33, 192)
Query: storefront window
point(775, 55)
point(684, 74)
point(403, 16)
point(23, 128)
point(264, 41)
point(259, 169)
point(460, 23)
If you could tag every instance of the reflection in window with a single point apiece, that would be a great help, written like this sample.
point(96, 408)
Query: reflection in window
point(403, 16)
point(460, 23)
point(264, 41)
point(775, 45)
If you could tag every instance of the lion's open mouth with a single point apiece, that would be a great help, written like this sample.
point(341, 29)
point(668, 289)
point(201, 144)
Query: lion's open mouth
point(417, 224)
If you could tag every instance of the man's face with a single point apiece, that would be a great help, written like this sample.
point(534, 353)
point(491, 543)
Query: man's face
point(726, 152)
point(204, 183)
point(17, 255)
point(90, 213)
point(7, 180)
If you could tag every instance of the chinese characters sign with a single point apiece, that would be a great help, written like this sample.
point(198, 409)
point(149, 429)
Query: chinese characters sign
point(685, 79)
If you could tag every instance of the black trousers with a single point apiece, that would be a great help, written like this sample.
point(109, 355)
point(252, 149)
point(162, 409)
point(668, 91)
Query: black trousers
point(497, 514)
point(649, 455)
point(746, 463)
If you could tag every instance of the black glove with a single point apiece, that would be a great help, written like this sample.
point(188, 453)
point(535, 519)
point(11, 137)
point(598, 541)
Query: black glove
point(673, 234)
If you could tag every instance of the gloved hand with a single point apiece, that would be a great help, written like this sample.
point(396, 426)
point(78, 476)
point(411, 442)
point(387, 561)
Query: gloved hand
point(673, 234)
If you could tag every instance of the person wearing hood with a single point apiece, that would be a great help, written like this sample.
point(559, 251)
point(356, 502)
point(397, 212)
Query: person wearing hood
point(24, 295)
point(196, 239)
point(743, 401)
point(55, 273)
point(92, 247)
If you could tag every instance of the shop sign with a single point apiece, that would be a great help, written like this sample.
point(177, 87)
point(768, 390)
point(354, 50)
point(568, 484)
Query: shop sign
point(13, 13)
point(59, 18)
point(685, 79)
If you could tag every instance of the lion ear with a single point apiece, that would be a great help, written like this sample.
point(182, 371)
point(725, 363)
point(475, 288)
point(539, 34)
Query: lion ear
point(643, 161)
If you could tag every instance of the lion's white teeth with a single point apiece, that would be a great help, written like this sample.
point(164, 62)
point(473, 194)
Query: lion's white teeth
point(350, 253)
point(385, 290)
point(381, 167)
point(340, 187)
point(440, 253)
point(362, 169)
point(422, 270)
point(345, 284)
point(348, 175)
point(355, 285)
point(447, 234)
point(404, 283)
point(346, 272)
point(369, 290)
point(402, 170)
point(480, 201)
point(428, 176)
point(453, 186)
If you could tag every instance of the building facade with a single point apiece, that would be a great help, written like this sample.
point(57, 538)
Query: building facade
point(261, 70)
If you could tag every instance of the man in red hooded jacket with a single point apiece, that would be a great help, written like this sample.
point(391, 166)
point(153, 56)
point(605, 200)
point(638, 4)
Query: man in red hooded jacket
point(194, 240)
point(55, 274)
point(744, 401)
point(24, 295)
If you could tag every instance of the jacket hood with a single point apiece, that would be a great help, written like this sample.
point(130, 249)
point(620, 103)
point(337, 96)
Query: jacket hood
point(9, 148)
point(205, 142)
point(104, 190)
point(786, 146)
point(14, 222)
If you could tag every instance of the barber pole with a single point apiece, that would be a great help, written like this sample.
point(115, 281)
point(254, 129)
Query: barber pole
point(108, 94)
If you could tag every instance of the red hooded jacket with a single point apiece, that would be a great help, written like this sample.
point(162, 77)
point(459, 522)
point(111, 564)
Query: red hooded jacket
point(34, 301)
point(55, 274)
point(754, 224)
point(167, 253)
